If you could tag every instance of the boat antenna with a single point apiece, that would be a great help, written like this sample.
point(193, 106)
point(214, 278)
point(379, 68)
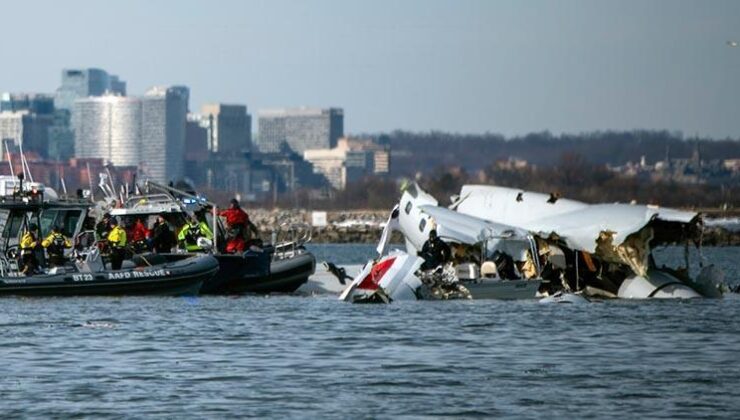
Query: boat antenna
point(64, 186)
point(578, 280)
point(109, 194)
point(136, 185)
point(89, 181)
point(24, 163)
point(60, 175)
point(110, 179)
point(10, 158)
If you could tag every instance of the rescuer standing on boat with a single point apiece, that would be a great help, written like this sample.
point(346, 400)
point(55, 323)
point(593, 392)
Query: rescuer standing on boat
point(163, 239)
point(29, 243)
point(139, 236)
point(55, 245)
point(117, 242)
point(103, 227)
point(435, 251)
point(238, 222)
point(189, 234)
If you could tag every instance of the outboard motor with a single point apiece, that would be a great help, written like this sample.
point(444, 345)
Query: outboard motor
point(89, 261)
point(205, 243)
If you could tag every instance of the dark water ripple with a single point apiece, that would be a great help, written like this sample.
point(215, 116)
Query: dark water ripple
point(296, 357)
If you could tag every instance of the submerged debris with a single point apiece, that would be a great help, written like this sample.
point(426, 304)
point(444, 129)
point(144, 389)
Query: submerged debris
point(441, 284)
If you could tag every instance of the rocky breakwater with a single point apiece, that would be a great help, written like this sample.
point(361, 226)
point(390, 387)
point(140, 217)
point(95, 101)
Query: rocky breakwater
point(365, 226)
point(355, 226)
point(722, 231)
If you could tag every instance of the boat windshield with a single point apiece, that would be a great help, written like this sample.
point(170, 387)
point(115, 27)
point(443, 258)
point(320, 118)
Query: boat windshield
point(13, 222)
point(175, 220)
point(66, 219)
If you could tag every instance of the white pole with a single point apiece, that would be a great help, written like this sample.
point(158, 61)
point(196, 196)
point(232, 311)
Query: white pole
point(215, 230)
point(10, 159)
point(577, 278)
point(89, 180)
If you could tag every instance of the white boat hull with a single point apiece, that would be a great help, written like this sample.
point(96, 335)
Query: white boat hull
point(503, 289)
point(324, 282)
point(658, 284)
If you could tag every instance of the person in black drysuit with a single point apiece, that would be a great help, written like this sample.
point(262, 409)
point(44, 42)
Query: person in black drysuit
point(163, 239)
point(434, 251)
point(102, 228)
point(504, 266)
point(55, 245)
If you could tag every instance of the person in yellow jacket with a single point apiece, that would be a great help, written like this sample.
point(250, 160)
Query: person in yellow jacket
point(117, 242)
point(29, 243)
point(189, 234)
point(55, 245)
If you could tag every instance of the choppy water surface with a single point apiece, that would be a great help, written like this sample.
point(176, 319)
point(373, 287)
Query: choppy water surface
point(287, 356)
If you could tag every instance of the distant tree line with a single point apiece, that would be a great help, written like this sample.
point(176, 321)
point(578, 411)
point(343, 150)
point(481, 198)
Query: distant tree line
point(575, 177)
point(572, 177)
point(572, 165)
point(412, 153)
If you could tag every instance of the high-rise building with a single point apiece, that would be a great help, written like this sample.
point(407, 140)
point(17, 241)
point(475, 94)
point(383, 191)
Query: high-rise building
point(61, 136)
point(196, 139)
point(116, 85)
point(30, 115)
point(351, 160)
point(196, 150)
point(378, 152)
point(47, 131)
point(299, 129)
point(148, 132)
point(11, 130)
point(26, 130)
point(37, 103)
point(108, 127)
point(77, 84)
point(81, 83)
point(229, 128)
point(164, 113)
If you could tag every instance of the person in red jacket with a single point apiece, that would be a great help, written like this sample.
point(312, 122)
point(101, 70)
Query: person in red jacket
point(235, 244)
point(139, 236)
point(239, 226)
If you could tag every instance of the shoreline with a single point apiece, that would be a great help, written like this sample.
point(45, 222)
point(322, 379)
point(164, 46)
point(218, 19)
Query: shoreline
point(366, 226)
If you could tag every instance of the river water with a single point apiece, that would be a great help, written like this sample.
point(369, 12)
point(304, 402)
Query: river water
point(316, 357)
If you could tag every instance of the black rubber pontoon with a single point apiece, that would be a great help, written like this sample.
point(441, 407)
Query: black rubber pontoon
point(255, 272)
point(184, 277)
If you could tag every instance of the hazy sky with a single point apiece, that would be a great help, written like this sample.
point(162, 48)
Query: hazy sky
point(510, 67)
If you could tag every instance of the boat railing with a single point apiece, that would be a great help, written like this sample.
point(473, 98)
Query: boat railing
point(9, 267)
point(151, 200)
point(288, 239)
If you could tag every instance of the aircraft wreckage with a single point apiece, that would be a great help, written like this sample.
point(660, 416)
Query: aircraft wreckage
point(511, 244)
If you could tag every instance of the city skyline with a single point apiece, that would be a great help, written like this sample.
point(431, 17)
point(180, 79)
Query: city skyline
point(473, 66)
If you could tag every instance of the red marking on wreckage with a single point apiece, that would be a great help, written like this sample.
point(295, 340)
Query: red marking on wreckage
point(372, 279)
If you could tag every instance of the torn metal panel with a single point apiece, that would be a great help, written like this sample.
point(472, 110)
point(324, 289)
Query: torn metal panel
point(456, 227)
point(577, 224)
point(582, 228)
point(392, 277)
point(634, 251)
point(511, 206)
point(391, 225)
point(468, 229)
